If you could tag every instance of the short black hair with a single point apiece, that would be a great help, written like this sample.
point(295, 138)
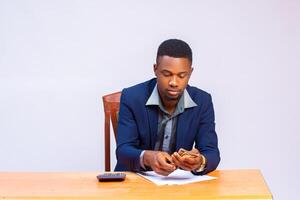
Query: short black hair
point(175, 48)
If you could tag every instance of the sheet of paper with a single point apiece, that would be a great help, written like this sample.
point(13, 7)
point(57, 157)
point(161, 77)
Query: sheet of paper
point(178, 177)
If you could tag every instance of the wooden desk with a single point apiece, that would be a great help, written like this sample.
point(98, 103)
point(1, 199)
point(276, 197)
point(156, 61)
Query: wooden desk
point(231, 184)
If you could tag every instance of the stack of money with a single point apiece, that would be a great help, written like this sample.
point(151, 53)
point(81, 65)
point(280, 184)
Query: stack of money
point(185, 153)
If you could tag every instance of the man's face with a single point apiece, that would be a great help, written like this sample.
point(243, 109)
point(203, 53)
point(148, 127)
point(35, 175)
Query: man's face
point(173, 75)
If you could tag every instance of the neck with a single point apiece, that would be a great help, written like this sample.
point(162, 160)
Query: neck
point(170, 106)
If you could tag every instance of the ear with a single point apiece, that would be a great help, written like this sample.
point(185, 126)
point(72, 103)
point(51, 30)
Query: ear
point(155, 69)
point(192, 69)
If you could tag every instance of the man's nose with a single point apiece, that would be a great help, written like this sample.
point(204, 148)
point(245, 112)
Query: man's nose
point(173, 82)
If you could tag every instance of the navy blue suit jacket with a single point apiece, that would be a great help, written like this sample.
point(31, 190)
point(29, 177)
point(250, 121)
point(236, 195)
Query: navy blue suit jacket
point(138, 123)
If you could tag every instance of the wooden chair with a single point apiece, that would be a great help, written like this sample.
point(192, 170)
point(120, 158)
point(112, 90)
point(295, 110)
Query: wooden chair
point(111, 104)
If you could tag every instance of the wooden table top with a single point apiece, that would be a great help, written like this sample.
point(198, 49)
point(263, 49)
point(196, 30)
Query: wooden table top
point(230, 184)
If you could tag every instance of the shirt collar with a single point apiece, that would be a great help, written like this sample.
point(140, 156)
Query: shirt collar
point(154, 99)
point(188, 101)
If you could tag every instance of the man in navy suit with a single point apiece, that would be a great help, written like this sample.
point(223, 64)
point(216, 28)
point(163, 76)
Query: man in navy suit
point(164, 123)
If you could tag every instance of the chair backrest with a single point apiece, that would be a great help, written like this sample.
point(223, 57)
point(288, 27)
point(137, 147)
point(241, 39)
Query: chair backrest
point(111, 104)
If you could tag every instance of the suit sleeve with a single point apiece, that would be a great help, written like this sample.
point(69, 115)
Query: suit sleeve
point(127, 152)
point(206, 140)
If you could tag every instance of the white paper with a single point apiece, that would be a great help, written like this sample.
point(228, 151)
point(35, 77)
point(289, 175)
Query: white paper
point(178, 177)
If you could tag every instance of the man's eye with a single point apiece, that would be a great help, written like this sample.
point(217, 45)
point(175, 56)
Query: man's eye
point(183, 75)
point(166, 74)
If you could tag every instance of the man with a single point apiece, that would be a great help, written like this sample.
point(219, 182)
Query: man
point(161, 120)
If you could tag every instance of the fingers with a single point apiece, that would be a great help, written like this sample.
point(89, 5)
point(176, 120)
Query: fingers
point(165, 161)
point(195, 151)
point(180, 161)
point(186, 162)
point(163, 164)
point(192, 160)
point(181, 151)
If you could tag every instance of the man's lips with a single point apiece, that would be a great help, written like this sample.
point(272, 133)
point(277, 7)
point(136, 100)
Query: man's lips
point(173, 92)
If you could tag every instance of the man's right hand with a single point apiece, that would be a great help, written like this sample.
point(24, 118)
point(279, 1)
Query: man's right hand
point(159, 161)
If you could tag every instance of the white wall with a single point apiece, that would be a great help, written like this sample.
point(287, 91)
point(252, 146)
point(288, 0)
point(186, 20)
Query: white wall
point(57, 58)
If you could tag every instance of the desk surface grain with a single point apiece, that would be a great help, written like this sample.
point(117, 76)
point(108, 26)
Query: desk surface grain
point(230, 184)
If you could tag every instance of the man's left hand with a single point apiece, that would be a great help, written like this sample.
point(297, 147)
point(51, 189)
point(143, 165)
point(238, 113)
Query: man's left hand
point(187, 160)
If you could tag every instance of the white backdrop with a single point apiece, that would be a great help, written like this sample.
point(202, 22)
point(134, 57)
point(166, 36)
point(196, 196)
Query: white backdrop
point(58, 58)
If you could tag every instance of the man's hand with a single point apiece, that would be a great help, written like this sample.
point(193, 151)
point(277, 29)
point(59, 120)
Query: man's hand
point(187, 160)
point(160, 162)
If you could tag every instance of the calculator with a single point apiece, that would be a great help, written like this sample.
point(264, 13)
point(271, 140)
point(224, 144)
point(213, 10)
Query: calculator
point(109, 176)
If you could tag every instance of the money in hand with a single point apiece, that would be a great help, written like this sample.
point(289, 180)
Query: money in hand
point(185, 153)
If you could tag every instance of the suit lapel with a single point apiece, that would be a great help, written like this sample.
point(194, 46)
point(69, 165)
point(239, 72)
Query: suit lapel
point(182, 129)
point(152, 115)
point(152, 122)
